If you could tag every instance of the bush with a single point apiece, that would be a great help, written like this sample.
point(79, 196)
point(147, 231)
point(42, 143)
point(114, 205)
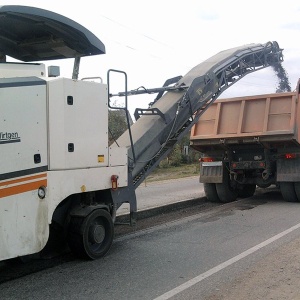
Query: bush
point(175, 157)
point(164, 164)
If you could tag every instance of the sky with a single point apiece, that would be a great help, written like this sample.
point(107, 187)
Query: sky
point(153, 41)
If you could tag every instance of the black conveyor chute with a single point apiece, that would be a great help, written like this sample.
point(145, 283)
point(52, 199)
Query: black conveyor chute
point(32, 34)
point(153, 137)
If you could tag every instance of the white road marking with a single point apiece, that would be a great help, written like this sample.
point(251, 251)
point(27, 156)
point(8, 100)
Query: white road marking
point(225, 264)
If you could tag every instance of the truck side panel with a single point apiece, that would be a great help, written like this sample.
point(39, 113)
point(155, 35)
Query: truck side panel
point(242, 119)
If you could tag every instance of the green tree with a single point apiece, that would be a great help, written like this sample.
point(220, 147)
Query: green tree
point(117, 124)
point(177, 156)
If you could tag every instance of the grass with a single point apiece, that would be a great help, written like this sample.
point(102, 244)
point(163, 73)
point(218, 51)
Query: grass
point(181, 171)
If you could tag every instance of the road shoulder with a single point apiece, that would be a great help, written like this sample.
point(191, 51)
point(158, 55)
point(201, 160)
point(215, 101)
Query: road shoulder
point(275, 277)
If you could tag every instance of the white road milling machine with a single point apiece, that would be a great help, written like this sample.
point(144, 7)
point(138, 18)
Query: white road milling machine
point(59, 178)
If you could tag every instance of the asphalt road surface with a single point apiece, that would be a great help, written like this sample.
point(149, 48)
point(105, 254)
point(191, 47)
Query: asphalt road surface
point(207, 255)
point(156, 194)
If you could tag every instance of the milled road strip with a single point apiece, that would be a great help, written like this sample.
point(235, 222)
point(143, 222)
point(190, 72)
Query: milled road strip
point(204, 214)
point(225, 264)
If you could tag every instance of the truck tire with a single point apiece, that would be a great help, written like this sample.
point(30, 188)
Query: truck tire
point(225, 192)
point(211, 192)
point(247, 190)
point(297, 190)
point(264, 186)
point(288, 191)
point(91, 237)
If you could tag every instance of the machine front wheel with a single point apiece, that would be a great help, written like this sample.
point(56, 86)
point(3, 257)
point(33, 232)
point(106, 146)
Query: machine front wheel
point(91, 236)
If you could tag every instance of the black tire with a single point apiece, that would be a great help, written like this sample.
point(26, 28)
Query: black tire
point(225, 192)
point(297, 190)
point(247, 190)
point(264, 186)
point(288, 191)
point(211, 192)
point(92, 236)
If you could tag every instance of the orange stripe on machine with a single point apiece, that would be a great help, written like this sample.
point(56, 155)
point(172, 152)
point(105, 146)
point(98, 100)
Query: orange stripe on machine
point(22, 185)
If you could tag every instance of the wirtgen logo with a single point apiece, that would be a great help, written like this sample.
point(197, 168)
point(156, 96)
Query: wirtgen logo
point(9, 137)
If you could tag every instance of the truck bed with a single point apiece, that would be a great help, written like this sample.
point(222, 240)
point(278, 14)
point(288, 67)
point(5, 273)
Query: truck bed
point(267, 119)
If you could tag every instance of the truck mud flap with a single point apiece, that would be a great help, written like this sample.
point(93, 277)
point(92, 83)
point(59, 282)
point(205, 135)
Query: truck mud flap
point(288, 170)
point(211, 172)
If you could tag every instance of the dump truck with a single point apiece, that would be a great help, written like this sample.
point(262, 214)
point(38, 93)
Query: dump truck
point(61, 182)
point(247, 142)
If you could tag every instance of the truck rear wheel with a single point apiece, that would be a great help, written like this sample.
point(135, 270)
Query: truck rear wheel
point(225, 191)
point(211, 192)
point(264, 186)
point(288, 191)
point(297, 190)
point(91, 236)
